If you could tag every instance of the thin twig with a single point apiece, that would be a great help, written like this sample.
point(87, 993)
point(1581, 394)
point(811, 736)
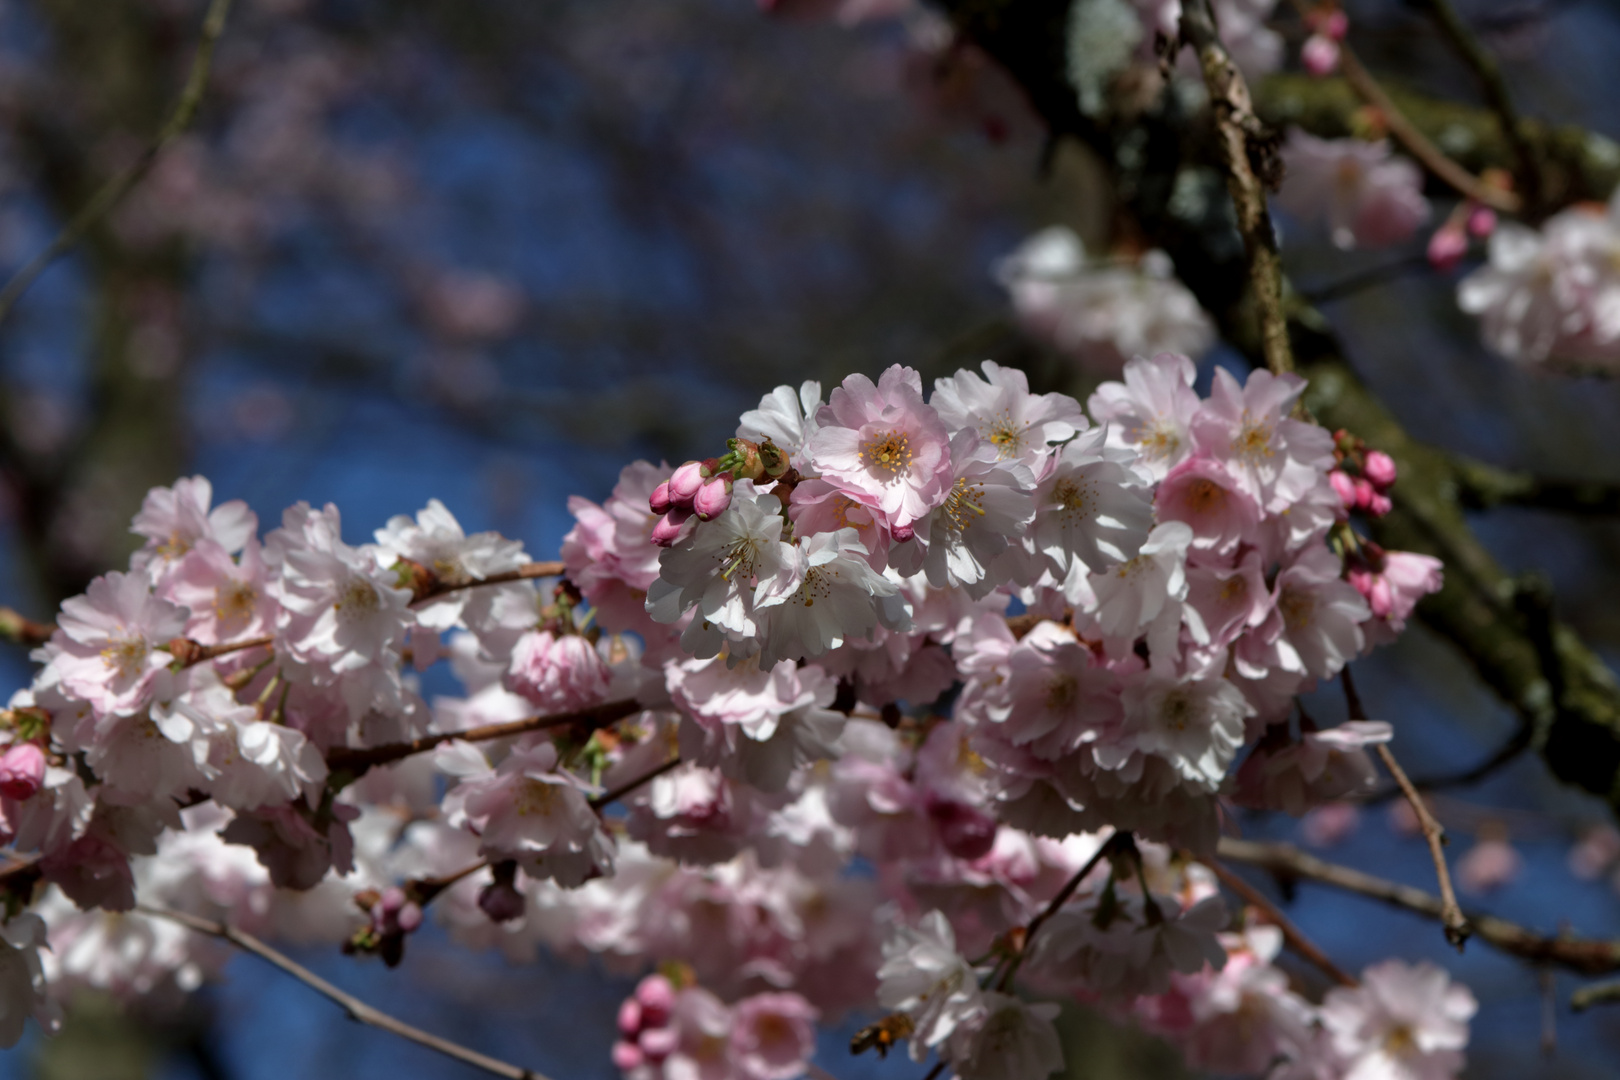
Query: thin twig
point(1292, 934)
point(114, 190)
point(1602, 993)
point(1366, 279)
point(358, 1010)
point(1417, 144)
point(615, 794)
point(357, 760)
point(1120, 841)
point(1244, 142)
point(1584, 955)
point(1484, 67)
point(526, 572)
point(1507, 753)
point(1451, 916)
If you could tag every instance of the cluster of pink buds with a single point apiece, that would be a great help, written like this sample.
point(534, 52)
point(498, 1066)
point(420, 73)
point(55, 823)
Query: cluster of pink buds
point(1320, 53)
point(702, 489)
point(1361, 477)
point(393, 914)
point(22, 771)
point(644, 1028)
point(1470, 220)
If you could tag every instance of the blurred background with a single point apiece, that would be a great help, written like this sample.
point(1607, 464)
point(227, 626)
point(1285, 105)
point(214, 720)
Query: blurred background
point(490, 252)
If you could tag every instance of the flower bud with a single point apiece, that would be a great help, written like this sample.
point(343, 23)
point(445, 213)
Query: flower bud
point(501, 901)
point(1379, 505)
point(685, 483)
point(658, 1043)
point(1447, 246)
point(1344, 487)
point(902, 533)
point(627, 1056)
point(630, 1017)
point(1481, 222)
point(1379, 468)
point(772, 459)
point(749, 465)
point(409, 917)
point(661, 500)
point(22, 771)
point(673, 527)
point(1335, 25)
point(657, 997)
point(713, 497)
point(1320, 55)
point(1365, 493)
point(965, 831)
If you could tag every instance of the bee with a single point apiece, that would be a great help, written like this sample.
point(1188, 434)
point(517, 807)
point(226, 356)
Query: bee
point(882, 1035)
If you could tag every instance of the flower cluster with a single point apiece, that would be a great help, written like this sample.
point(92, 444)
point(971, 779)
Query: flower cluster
point(1552, 296)
point(1007, 649)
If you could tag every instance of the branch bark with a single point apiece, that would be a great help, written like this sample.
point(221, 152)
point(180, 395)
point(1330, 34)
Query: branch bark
point(1584, 955)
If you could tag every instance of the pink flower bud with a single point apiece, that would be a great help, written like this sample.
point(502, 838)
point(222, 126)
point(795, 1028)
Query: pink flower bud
point(1481, 222)
point(22, 771)
point(657, 997)
point(1344, 487)
point(627, 1056)
point(1379, 468)
point(661, 500)
point(1364, 493)
point(658, 1043)
point(501, 901)
point(1320, 55)
point(391, 901)
point(684, 485)
point(902, 533)
point(630, 1017)
point(409, 917)
point(1335, 24)
point(1447, 246)
point(1379, 505)
point(713, 497)
point(673, 527)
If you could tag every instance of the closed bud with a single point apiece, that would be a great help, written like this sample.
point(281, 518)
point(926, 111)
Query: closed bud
point(713, 497)
point(22, 771)
point(774, 461)
point(658, 1043)
point(1447, 246)
point(630, 1018)
point(501, 901)
point(627, 1056)
point(1379, 468)
point(1481, 222)
point(747, 463)
point(672, 527)
point(902, 533)
point(1320, 55)
point(684, 485)
point(661, 500)
point(1344, 487)
point(657, 997)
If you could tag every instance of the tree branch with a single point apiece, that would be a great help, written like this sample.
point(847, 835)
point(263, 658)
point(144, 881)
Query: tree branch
point(1485, 487)
point(1483, 65)
point(613, 795)
point(357, 1010)
point(527, 572)
point(356, 760)
point(1584, 955)
point(19, 629)
point(1249, 152)
point(114, 190)
point(1602, 993)
point(1292, 934)
point(1118, 843)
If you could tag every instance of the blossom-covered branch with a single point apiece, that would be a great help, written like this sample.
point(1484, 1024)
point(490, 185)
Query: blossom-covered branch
point(356, 1009)
point(1583, 955)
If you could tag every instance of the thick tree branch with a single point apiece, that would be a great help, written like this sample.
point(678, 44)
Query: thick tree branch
point(358, 1010)
point(1583, 955)
point(1249, 152)
point(113, 191)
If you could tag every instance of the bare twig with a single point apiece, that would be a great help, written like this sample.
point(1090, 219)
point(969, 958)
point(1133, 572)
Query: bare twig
point(1244, 143)
point(19, 629)
point(1483, 65)
point(1295, 938)
point(1602, 993)
point(615, 794)
point(1417, 144)
point(358, 1010)
point(526, 572)
point(1115, 844)
point(1370, 278)
point(357, 760)
point(1583, 955)
point(114, 190)
point(1451, 916)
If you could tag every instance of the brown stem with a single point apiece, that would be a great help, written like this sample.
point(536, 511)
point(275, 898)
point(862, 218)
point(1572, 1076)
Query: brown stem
point(357, 1010)
point(526, 572)
point(356, 760)
point(1245, 144)
point(615, 794)
point(19, 629)
point(1119, 842)
point(1417, 144)
point(1295, 938)
point(1451, 916)
point(114, 190)
point(1582, 955)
